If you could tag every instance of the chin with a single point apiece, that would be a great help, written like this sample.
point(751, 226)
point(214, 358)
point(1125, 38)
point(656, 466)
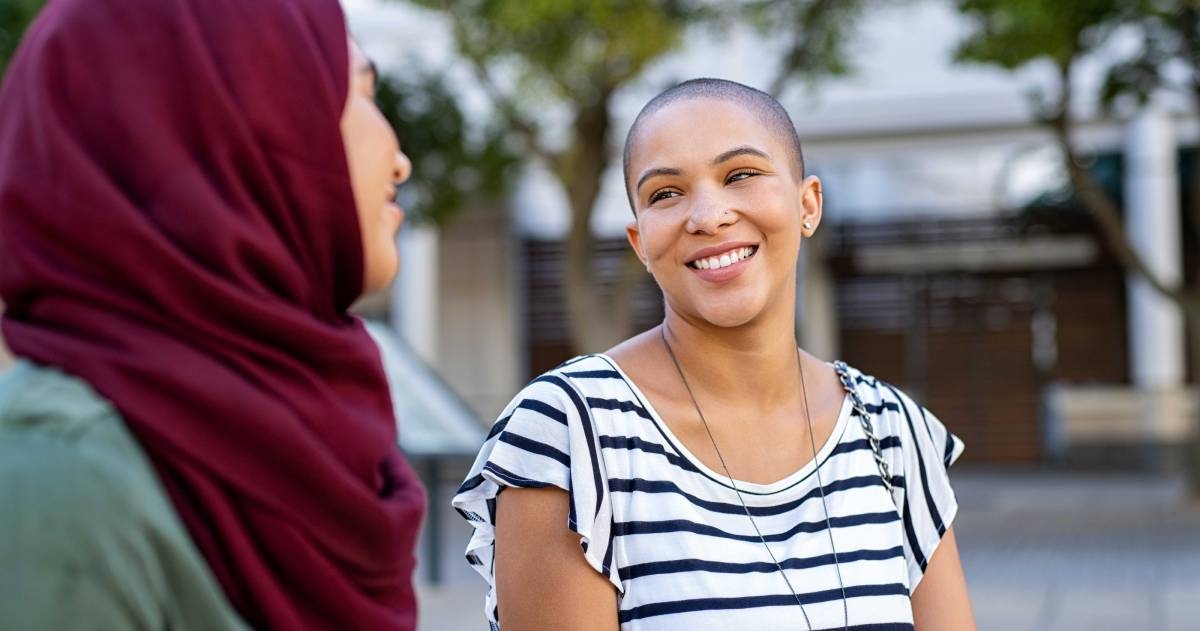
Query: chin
point(731, 315)
point(381, 273)
point(732, 307)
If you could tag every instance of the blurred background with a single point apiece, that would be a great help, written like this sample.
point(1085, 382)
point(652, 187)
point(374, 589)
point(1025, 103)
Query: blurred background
point(1011, 234)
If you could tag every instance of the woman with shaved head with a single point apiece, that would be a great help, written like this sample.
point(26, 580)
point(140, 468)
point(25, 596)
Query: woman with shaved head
point(709, 473)
point(198, 435)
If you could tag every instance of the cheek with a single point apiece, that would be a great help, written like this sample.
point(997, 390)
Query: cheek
point(369, 150)
point(660, 231)
point(656, 241)
point(380, 255)
point(773, 215)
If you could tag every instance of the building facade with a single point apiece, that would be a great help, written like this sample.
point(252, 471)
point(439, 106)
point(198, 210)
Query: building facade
point(952, 260)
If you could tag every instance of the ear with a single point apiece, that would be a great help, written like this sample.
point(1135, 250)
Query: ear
point(811, 205)
point(634, 235)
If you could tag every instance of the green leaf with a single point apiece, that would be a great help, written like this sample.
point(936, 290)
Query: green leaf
point(15, 17)
point(454, 165)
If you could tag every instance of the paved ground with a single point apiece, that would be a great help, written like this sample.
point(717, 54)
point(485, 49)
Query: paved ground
point(1042, 551)
point(1056, 552)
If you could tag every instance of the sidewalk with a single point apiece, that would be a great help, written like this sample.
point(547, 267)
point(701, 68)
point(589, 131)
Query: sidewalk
point(1058, 552)
point(1042, 551)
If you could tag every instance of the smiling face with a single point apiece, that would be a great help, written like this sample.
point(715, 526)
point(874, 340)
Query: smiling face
point(719, 210)
point(377, 166)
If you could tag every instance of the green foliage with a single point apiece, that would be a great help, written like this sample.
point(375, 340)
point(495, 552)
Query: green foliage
point(1012, 33)
point(452, 166)
point(816, 34)
point(574, 50)
point(15, 16)
point(580, 50)
point(1169, 34)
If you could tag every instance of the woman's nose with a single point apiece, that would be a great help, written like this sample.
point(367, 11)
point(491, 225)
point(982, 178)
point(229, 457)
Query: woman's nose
point(403, 168)
point(708, 214)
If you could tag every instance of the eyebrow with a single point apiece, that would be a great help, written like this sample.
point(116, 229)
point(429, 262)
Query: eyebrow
point(649, 173)
point(744, 150)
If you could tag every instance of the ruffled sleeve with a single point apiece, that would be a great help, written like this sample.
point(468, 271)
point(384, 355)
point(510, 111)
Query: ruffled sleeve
point(927, 505)
point(543, 438)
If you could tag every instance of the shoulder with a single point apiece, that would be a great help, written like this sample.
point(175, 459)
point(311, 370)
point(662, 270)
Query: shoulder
point(574, 381)
point(894, 412)
point(879, 396)
point(52, 399)
point(89, 517)
point(920, 433)
point(66, 456)
point(586, 370)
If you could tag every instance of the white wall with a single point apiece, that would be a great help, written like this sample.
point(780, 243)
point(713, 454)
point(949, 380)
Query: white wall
point(414, 297)
point(481, 343)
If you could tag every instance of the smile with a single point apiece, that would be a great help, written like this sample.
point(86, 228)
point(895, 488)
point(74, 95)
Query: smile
point(725, 259)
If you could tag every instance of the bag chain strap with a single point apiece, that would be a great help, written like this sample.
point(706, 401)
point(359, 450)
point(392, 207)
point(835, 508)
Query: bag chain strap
point(864, 417)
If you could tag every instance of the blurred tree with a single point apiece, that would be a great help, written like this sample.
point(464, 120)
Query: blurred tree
point(454, 165)
point(1011, 34)
point(540, 61)
point(15, 16)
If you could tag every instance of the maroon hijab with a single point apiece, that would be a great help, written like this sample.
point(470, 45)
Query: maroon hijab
point(177, 228)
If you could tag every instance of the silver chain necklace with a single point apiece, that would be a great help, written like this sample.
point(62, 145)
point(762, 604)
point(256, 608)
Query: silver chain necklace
point(820, 485)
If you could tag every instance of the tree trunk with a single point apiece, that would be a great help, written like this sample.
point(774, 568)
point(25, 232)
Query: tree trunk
point(1191, 314)
point(622, 318)
point(1192, 459)
point(1105, 213)
point(590, 321)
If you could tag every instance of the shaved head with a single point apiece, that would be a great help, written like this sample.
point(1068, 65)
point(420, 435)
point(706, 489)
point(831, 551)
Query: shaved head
point(764, 106)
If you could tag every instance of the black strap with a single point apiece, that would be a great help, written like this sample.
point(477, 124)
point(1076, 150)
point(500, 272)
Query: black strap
point(864, 417)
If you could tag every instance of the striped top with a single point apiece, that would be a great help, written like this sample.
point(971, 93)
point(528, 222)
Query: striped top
point(670, 533)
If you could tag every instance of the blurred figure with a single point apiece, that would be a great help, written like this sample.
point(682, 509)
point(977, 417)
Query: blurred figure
point(197, 435)
point(708, 473)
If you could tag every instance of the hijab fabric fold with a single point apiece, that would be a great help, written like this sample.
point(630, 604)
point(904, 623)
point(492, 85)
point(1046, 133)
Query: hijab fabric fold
point(177, 228)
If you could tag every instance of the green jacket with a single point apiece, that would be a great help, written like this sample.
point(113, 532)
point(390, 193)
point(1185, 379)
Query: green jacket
point(88, 537)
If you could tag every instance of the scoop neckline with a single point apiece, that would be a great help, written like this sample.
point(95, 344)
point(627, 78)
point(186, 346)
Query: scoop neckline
point(743, 486)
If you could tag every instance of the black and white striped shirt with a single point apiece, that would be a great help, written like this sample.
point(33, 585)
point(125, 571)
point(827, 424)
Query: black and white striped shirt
point(670, 533)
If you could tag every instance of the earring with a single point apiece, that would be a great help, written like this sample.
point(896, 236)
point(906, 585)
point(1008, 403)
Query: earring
point(807, 225)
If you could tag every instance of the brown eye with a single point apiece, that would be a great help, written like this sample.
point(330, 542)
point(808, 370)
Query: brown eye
point(661, 195)
point(743, 174)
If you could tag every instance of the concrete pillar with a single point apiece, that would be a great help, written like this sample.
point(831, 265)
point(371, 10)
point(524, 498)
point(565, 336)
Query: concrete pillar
point(483, 347)
point(415, 295)
point(1153, 226)
point(816, 304)
point(1152, 223)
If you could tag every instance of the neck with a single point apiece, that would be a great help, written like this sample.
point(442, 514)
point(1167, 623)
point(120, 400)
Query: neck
point(752, 365)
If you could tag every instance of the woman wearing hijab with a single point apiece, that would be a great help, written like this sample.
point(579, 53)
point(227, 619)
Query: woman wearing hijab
point(198, 435)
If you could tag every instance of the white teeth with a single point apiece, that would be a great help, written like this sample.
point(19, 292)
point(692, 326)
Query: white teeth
point(724, 260)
